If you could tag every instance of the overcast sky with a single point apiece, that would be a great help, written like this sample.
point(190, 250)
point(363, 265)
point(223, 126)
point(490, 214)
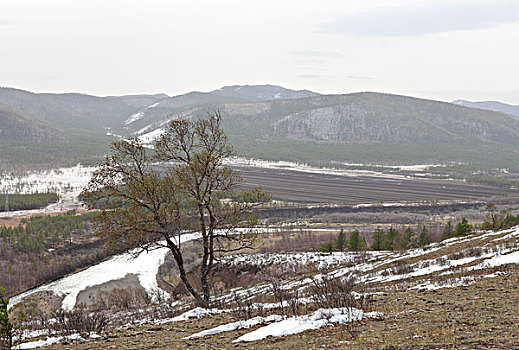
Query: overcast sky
point(436, 49)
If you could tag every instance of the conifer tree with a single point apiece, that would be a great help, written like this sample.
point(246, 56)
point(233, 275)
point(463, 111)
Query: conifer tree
point(448, 231)
point(354, 243)
point(463, 228)
point(423, 239)
point(390, 239)
point(407, 237)
point(378, 239)
point(340, 242)
point(327, 247)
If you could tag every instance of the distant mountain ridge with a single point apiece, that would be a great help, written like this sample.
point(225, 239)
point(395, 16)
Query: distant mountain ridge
point(75, 112)
point(269, 122)
point(491, 106)
point(262, 92)
point(359, 118)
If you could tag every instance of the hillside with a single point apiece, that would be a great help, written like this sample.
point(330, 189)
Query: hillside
point(419, 298)
point(74, 112)
point(271, 122)
point(42, 131)
point(362, 128)
point(371, 118)
point(14, 125)
point(27, 143)
point(491, 106)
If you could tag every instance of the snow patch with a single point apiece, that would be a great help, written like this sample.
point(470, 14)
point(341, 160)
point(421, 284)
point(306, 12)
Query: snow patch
point(321, 260)
point(151, 136)
point(495, 274)
point(298, 324)
point(498, 260)
point(236, 325)
point(48, 341)
point(114, 135)
point(196, 312)
point(60, 181)
point(136, 116)
point(306, 168)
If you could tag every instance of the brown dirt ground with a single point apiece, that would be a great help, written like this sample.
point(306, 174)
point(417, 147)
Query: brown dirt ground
point(484, 315)
point(12, 221)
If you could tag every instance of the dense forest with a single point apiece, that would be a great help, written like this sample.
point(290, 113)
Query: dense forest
point(44, 248)
point(27, 201)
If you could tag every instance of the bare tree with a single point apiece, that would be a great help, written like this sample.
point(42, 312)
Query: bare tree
point(146, 207)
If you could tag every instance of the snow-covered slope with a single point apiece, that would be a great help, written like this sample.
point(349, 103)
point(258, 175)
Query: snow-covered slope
point(454, 263)
point(445, 261)
point(136, 116)
point(145, 266)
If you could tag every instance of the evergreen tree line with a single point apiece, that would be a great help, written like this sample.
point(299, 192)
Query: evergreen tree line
point(462, 228)
point(354, 242)
point(39, 233)
point(27, 201)
point(394, 239)
point(390, 239)
point(495, 221)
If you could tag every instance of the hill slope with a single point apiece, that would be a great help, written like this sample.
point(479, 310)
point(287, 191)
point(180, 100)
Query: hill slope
point(275, 123)
point(362, 127)
point(14, 125)
point(76, 112)
point(53, 130)
point(415, 290)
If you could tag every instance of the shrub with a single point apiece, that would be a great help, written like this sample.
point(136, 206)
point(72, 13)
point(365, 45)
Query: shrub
point(463, 228)
point(332, 293)
point(327, 247)
point(79, 321)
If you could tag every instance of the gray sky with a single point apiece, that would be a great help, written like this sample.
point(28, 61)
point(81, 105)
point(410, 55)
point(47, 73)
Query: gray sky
point(435, 49)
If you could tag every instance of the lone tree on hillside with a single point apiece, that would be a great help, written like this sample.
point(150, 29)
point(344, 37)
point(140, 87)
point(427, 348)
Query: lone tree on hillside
point(146, 206)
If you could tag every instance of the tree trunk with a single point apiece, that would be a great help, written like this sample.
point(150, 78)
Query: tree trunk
point(180, 263)
point(205, 268)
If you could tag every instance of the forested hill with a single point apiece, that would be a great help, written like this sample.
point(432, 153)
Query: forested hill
point(76, 112)
point(371, 118)
point(361, 128)
point(14, 126)
point(51, 130)
point(272, 122)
